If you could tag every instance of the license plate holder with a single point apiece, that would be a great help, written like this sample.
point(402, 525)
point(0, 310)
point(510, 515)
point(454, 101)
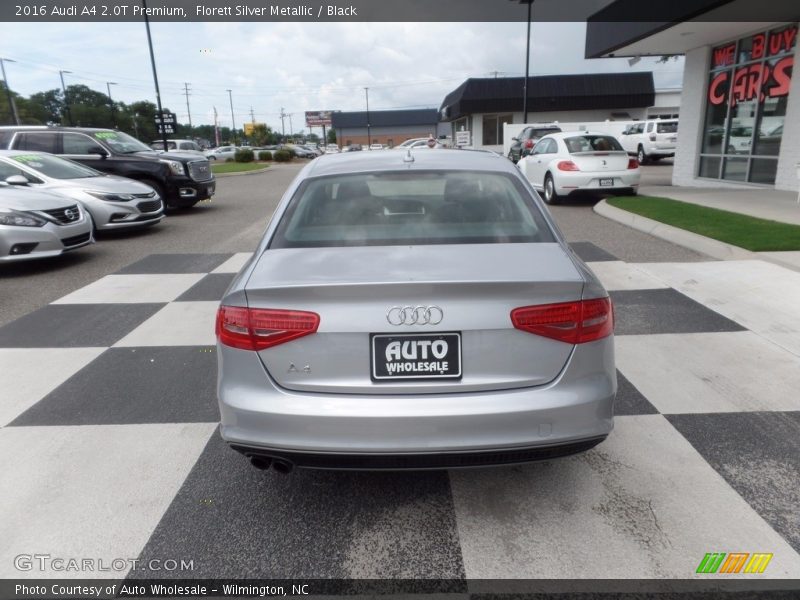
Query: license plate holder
point(415, 356)
point(607, 182)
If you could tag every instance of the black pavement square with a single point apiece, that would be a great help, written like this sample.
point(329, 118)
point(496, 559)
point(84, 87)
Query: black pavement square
point(134, 385)
point(629, 400)
point(210, 287)
point(591, 253)
point(665, 311)
point(758, 454)
point(76, 325)
point(175, 263)
point(235, 521)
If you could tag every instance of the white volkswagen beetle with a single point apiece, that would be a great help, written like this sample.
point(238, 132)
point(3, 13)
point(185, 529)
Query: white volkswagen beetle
point(580, 162)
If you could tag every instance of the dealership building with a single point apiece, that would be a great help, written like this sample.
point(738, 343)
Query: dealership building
point(483, 106)
point(387, 127)
point(740, 105)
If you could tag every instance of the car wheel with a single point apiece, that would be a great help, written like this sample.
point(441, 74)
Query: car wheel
point(641, 156)
point(159, 190)
point(211, 158)
point(550, 195)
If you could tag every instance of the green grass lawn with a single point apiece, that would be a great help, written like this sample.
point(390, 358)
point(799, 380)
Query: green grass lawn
point(751, 233)
point(234, 167)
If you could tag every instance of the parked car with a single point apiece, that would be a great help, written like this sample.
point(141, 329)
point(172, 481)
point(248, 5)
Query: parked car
point(112, 202)
point(579, 162)
point(651, 140)
point(331, 148)
point(413, 314)
point(352, 148)
point(39, 224)
point(740, 140)
point(221, 153)
point(313, 148)
point(300, 151)
point(527, 138)
point(180, 180)
point(376, 146)
point(189, 146)
point(415, 143)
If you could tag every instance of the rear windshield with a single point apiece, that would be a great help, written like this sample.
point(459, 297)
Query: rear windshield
point(671, 127)
point(592, 143)
point(385, 209)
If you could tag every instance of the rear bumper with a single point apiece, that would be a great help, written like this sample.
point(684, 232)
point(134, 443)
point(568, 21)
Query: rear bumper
point(570, 414)
point(420, 460)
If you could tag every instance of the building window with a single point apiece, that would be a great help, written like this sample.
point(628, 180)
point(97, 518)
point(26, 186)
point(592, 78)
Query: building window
point(493, 128)
point(746, 97)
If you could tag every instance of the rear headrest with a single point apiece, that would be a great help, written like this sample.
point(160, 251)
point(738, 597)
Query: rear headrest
point(352, 189)
point(457, 190)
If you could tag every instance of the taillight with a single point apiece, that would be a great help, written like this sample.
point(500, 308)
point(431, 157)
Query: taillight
point(633, 163)
point(571, 322)
point(567, 165)
point(260, 328)
point(529, 143)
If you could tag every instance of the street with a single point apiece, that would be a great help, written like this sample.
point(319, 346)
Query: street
point(110, 447)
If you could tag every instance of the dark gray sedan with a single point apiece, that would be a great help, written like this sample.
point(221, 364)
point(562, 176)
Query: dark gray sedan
point(413, 310)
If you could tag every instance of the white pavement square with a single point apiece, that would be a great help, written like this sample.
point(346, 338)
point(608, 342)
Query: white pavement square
point(127, 289)
point(32, 373)
point(90, 491)
point(234, 263)
point(710, 372)
point(643, 504)
point(619, 275)
point(177, 324)
point(763, 297)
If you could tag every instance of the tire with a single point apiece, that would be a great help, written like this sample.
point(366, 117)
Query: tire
point(160, 191)
point(641, 156)
point(550, 195)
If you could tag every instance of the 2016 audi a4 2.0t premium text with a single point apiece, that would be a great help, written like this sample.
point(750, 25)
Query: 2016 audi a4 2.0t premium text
point(413, 310)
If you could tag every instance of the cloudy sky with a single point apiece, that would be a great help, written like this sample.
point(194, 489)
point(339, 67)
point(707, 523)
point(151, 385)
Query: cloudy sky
point(297, 66)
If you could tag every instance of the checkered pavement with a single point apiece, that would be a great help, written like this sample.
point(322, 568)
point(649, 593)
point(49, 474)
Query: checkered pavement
point(109, 445)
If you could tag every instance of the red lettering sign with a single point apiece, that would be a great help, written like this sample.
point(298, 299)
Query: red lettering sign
point(782, 74)
point(782, 41)
point(724, 55)
point(759, 45)
point(715, 95)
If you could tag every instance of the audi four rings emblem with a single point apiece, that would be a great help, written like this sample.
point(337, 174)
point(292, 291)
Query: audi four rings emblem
point(415, 315)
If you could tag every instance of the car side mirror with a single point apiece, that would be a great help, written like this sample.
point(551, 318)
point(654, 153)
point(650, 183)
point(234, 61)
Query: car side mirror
point(16, 180)
point(514, 139)
point(97, 150)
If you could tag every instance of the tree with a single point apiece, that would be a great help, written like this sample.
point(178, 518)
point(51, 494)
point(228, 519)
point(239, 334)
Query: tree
point(331, 136)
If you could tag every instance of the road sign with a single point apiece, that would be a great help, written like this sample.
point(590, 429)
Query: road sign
point(318, 118)
point(168, 118)
point(168, 128)
point(463, 138)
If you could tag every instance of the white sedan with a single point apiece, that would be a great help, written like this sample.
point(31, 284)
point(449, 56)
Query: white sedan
point(580, 162)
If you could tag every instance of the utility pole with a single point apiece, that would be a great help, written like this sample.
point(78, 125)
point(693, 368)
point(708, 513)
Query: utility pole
point(233, 121)
point(283, 128)
point(155, 76)
point(291, 129)
point(252, 116)
point(527, 66)
point(216, 128)
point(188, 110)
point(111, 102)
point(11, 104)
point(66, 99)
point(369, 135)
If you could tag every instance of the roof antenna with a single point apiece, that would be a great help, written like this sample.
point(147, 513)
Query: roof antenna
point(409, 158)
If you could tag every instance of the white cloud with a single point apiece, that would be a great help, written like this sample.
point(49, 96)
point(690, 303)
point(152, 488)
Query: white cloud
point(297, 66)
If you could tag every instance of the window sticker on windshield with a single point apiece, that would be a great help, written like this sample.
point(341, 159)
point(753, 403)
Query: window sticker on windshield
point(105, 135)
point(28, 159)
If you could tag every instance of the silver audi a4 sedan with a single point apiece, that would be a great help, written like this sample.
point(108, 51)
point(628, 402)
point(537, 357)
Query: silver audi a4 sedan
point(413, 310)
point(112, 202)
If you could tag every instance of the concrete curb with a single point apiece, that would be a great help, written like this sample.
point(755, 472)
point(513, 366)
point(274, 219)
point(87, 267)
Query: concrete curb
point(253, 172)
point(681, 237)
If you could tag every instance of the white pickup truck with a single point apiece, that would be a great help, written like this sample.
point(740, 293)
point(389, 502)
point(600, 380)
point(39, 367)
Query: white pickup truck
point(651, 140)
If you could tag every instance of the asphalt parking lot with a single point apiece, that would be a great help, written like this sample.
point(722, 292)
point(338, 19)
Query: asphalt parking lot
point(111, 421)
